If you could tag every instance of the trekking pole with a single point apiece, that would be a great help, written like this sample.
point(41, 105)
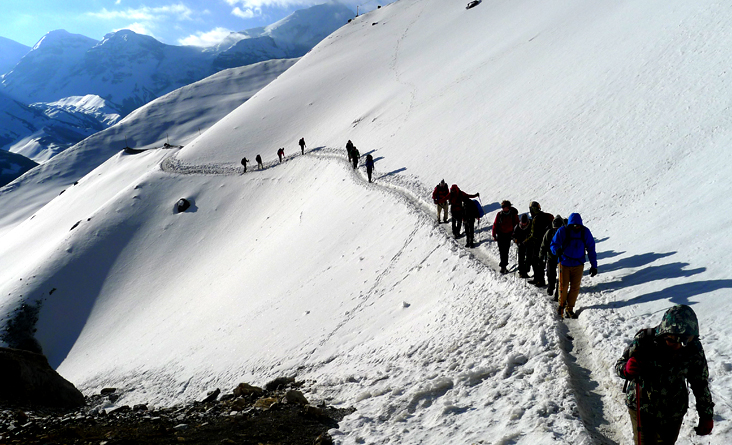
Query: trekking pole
point(638, 410)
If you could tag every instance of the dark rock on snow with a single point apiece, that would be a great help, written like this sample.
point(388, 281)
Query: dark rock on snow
point(28, 380)
point(248, 415)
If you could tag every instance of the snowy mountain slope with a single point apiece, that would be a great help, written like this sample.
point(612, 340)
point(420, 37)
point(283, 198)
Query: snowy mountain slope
point(130, 69)
point(614, 110)
point(49, 65)
point(280, 312)
point(177, 117)
point(13, 165)
point(10, 53)
point(42, 130)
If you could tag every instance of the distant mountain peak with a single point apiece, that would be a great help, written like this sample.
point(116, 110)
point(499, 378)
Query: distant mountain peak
point(60, 37)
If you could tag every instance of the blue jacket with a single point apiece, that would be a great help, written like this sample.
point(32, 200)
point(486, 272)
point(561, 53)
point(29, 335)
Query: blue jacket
point(570, 246)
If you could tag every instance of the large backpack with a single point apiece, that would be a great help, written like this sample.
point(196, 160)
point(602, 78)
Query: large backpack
point(478, 208)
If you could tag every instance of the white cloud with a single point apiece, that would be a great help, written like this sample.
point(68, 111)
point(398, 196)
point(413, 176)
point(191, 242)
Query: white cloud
point(139, 28)
point(177, 11)
point(244, 14)
point(205, 39)
point(255, 6)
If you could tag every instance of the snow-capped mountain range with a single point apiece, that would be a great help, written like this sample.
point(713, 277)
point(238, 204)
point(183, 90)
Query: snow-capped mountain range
point(618, 111)
point(126, 70)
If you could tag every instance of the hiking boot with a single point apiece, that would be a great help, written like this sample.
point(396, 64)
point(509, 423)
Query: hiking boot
point(539, 284)
point(523, 275)
point(532, 281)
point(570, 313)
point(504, 270)
point(550, 290)
point(560, 312)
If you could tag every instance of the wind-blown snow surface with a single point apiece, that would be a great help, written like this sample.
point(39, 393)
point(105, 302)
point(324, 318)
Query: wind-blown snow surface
point(617, 111)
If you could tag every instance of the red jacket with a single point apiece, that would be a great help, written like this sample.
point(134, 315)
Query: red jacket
point(440, 194)
point(456, 198)
point(504, 223)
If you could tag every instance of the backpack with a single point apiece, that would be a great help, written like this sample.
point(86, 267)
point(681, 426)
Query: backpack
point(478, 209)
point(645, 339)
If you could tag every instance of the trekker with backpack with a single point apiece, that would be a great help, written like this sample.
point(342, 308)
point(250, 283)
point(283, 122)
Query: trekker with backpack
point(259, 162)
point(506, 220)
point(520, 233)
point(369, 165)
point(658, 365)
point(471, 211)
point(540, 223)
point(281, 153)
point(439, 197)
point(244, 163)
point(546, 255)
point(569, 245)
point(302, 145)
point(456, 208)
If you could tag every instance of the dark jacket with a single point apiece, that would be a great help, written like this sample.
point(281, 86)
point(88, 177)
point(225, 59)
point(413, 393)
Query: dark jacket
point(456, 198)
point(519, 234)
point(505, 222)
point(545, 251)
point(370, 163)
point(471, 209)
point(570, 245)
point(540, 223)
point(665, 373)
point(440, 194)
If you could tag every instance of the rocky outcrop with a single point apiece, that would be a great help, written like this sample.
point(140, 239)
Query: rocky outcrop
point(29, 381)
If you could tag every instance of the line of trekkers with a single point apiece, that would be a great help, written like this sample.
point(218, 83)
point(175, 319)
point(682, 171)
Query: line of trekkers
point(658, 363)
point(544, 242)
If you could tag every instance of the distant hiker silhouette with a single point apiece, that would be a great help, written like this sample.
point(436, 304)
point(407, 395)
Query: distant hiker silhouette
point(244, 163)
point(302, 145)
point(506, 220)
point(349, 149)
point(540, 222)
point(456, 208)
point(520, 233)
point(281, 153)
point(259, 162)
point(369, 165)
point(439, 197)
point(355, 155)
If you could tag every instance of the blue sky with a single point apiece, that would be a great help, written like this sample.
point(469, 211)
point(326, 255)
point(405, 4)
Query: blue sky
point(175, 22)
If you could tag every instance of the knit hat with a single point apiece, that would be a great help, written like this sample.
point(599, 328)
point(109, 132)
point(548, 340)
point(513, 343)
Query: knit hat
point(524, 219)
point(558, 222)
point(505, 203)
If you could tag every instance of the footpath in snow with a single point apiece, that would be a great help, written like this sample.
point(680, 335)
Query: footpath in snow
point(590, 400)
